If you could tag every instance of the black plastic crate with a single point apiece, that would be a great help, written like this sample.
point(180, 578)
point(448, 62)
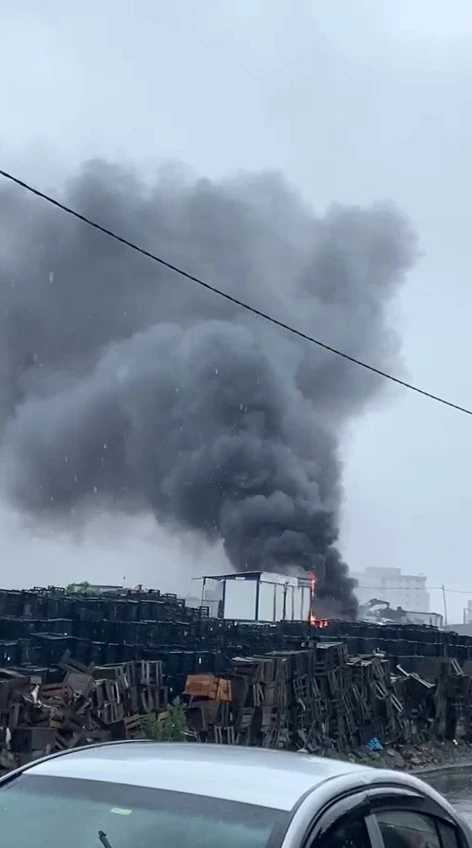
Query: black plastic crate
point(8, 652)
point(25, 652)
point(54, 674)
point(53, 647)
point(79, 649)
point(56, 626)
point(16, 628)
point(97, 653)
point(11, 602)
point(112, 653)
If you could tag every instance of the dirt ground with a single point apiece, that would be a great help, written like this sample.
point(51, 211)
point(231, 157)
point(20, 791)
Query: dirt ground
point(416, 757)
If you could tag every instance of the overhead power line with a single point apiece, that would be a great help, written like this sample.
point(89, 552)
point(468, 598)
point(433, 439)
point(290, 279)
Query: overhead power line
point(266, 316)
point(452, 591)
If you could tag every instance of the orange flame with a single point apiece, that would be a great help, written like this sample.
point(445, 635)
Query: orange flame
point(320, 623)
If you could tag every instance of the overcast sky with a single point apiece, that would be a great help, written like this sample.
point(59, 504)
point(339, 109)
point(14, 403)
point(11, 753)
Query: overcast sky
point(353, 101)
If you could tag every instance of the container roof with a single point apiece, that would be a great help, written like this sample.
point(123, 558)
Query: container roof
point(232, 575)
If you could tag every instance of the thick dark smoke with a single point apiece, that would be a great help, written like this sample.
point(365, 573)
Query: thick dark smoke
point(126, 384)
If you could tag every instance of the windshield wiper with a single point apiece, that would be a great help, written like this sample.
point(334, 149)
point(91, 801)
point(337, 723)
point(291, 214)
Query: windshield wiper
point(104, 839)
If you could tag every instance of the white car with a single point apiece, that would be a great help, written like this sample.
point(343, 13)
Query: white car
point(158, 795)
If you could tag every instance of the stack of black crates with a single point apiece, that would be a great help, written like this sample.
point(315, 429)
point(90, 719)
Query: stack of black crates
point(38, 626)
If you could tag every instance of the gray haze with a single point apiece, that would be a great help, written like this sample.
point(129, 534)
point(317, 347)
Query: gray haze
point(352, 102)
point(130, 386)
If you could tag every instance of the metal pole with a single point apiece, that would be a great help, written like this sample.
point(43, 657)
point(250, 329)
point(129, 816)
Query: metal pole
point(444, 603)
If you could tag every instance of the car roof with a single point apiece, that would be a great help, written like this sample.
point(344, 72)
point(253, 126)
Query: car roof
point(275, 779)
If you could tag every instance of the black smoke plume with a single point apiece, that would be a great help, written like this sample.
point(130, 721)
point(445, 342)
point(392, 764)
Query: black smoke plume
point(123, 383)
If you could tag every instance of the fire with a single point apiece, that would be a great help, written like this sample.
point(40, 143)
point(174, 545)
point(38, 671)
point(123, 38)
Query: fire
point(320, 623)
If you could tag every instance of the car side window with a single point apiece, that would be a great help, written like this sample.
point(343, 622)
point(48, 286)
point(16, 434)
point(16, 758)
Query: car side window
point(449, 836)
point(350, 833)
point(407, 829)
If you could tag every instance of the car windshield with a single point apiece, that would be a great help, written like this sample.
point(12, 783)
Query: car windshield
point(48, 812)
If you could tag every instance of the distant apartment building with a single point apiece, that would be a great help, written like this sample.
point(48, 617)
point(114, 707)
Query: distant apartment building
point(390, 584)
point(468, 613)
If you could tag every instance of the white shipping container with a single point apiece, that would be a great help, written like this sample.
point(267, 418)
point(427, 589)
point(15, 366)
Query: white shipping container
point(240, 599)
point(258, 596)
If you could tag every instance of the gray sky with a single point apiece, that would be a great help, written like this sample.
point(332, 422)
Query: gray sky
point(353, 101)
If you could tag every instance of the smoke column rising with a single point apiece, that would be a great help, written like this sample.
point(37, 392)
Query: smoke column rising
point(125, 387)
